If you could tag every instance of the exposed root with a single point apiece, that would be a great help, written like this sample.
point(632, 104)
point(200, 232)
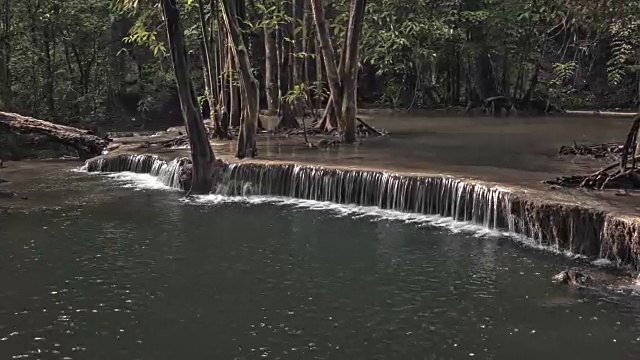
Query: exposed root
point(596, 150)
point(615, 176)
point(365, 130)
point(325, 143)
point(609, 177)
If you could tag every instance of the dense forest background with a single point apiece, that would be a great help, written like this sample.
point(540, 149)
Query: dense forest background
point(106, 64)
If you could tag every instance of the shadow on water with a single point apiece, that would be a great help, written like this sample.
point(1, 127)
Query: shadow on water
point(109, 271)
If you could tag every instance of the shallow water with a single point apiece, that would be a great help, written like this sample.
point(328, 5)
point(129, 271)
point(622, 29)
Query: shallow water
point(108, 270)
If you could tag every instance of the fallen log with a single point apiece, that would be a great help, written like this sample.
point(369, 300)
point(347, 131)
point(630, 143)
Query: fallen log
point(369, 128)
point(85, 142)
point(601, 113)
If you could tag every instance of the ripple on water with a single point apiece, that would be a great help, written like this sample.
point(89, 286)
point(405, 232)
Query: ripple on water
point(145, 275)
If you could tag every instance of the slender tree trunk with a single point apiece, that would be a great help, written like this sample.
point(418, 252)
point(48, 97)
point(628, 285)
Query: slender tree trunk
point(5, 71)
point(305, 50)
point(234, 89)
point(271, 70)
point(220, 58)
point(202, 156)
point(298, 17)
point(319, 75)
point(287, 117)
point(209, 73)
point(324, 38)
point(330, 120)
point(224, 90)
point(49, 45)
point(533, 83)
point(350, 79)
point(246, 139)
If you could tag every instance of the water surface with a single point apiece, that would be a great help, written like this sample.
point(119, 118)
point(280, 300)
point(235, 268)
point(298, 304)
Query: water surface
point(105, 271)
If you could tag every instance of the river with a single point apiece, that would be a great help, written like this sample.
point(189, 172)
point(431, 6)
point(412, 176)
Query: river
point(118, 267)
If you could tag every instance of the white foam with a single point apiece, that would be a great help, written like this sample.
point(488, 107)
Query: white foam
point(139, 181)
point(355, 211)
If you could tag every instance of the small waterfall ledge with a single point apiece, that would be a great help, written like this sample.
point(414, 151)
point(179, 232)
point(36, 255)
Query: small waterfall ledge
point(564, 227)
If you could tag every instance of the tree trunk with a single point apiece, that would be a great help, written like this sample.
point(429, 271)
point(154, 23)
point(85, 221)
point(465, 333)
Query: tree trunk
point(330, 120)
point(202, 156)
point(350, 79)
point(319, 75)
point(271, 71)
point(306, 45)
point(246, 139)
point(298, 22)
point(49, 42)
point(5, 71)
point(324, 38)
point(533, 83)
point(210, 74)
point(287, 117)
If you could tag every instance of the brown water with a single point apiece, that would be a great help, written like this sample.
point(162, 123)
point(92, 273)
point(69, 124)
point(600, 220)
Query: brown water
point(113, 269)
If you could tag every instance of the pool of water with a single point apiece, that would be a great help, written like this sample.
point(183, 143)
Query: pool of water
point(106, 270)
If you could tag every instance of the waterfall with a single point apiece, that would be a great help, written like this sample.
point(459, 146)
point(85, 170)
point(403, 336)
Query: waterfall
point(560, 226)
point(444, 196)
point(166, 171)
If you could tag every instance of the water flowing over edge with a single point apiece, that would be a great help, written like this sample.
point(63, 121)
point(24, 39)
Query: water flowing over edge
point(565, 228)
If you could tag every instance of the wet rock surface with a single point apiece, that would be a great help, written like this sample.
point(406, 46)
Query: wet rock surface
point(573, 277)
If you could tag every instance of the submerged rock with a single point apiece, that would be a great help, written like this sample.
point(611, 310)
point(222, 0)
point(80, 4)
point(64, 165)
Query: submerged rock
point(6, 194)
point(573, 277)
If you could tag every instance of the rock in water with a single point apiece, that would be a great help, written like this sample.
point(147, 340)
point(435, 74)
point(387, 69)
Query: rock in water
point(7, 194)
point(572, 277)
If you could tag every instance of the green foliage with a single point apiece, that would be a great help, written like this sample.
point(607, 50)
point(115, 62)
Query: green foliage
point(104, 62)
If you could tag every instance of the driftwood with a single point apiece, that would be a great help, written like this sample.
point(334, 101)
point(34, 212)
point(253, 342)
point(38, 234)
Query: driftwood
point(366, 129)
point(601, 113)
point(84, 142)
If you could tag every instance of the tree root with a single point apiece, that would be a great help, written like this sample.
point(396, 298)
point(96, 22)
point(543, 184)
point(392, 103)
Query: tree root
point(363, 129)
point(624, 176)
point(603, 178)
point(596, 151)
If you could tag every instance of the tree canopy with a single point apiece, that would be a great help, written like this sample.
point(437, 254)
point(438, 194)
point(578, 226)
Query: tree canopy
point(106, 63)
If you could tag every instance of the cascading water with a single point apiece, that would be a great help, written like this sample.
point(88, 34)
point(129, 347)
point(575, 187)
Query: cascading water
point(167, 172)
point(447, 197)
point(563, 227)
